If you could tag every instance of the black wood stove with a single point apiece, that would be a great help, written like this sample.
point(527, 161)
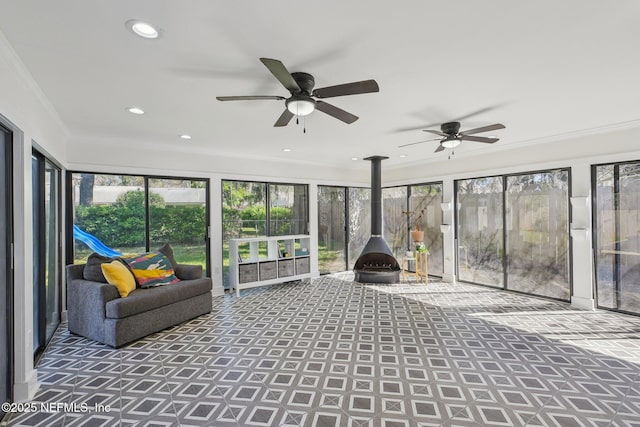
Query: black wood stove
point(376, 263)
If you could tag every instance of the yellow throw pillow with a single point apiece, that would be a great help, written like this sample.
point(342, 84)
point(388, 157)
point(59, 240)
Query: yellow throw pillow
point(118, 275)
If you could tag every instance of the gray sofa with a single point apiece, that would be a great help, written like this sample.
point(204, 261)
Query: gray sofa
point(96, 310)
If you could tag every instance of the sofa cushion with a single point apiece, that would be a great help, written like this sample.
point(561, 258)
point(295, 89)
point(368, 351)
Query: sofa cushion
point(167, 251)
point(119, 275)
point(152, 269)
point(141, 300)
point(188, 271)
point(92, 270)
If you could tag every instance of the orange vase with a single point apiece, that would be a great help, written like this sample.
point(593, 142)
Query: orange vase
point(417, 235)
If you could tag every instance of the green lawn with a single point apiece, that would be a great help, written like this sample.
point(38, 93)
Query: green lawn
point(184, 254)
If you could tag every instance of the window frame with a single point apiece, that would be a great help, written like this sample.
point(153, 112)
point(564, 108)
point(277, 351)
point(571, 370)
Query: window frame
point(69, 208)
point(505, 236)
point(594, 225)
point(267, 201)
point(40, 221)
point(10, 135)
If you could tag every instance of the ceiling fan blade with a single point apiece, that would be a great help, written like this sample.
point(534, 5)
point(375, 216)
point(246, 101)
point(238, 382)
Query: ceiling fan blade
point(419, 142)
point(284, 118)
point(409, 128)
point(483, 129)
point(281, 73)
point(355, 88)
point(478, 138)
point(476, 113)
point(440, 148)
point(437, 132)
point(248, 98)
point(336, 112)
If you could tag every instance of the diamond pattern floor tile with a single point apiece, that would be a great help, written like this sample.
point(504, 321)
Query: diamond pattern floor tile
point(331, 352)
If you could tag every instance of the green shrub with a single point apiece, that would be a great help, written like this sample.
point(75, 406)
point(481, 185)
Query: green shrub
point(123, 223)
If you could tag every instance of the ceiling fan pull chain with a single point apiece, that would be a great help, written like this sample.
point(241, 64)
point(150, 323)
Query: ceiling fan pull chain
point(304, 124)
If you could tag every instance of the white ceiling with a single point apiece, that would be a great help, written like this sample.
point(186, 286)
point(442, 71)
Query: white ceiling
point(546, 69)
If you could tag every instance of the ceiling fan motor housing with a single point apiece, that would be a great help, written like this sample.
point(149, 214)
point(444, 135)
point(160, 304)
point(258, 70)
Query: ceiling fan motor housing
point(301, 103)
point(305, 81)
point(450, 128)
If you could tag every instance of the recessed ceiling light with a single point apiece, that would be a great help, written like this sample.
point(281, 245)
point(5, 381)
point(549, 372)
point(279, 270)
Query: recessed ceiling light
point(135, 110)
point(354, 158)
point(402, 156)
point(142, 29)
point(286, 150)
point(185, 136)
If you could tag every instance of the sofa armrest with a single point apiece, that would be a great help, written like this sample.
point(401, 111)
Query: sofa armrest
point(86, 306)
point(188, 271)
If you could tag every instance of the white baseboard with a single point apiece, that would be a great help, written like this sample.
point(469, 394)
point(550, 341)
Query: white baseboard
point(25, 391)
point(448, 278)
point(217, 290)
point(582, 303)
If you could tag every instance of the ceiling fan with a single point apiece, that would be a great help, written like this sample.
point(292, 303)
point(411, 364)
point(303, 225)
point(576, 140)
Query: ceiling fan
point(452, 137)
point(301, 102)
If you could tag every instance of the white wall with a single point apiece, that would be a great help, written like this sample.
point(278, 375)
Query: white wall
point(27, 113)
point(91, 152)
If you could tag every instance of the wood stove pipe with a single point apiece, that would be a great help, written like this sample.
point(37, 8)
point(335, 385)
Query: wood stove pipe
point(376, 194)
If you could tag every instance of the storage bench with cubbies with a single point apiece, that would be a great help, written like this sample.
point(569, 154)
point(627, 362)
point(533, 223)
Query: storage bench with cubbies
point(258, 261)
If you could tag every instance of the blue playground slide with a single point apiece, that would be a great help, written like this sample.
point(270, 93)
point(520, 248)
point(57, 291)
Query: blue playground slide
point(94, 243)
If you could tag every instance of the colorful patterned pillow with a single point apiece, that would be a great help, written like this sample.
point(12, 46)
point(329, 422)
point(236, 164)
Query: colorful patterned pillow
point(152, 269)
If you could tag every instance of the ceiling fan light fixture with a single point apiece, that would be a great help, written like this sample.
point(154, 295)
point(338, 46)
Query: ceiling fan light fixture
point(451, 142)
point(301, 105)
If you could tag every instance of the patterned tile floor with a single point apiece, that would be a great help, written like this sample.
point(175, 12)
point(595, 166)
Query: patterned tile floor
point(331, 352)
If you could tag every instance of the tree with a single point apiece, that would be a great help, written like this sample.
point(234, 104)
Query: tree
point(86, 189)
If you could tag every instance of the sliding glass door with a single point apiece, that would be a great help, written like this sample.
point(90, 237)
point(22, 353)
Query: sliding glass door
point(480, 233)
point(108, 214)
point(251, 209)
point(537, 212)
point(344, 223)
point(180, 219)
point(513, 232)
point(424, 205)
point(332, 237)
point(6, 279)
point(617, 236)
point(359, 222)
point(344, 226)
point(46, 250)
point(394, 219)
